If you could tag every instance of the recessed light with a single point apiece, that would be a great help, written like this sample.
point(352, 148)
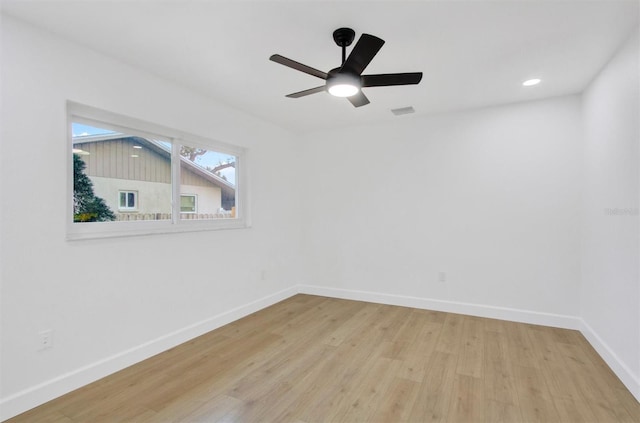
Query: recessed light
point(137, 146)
point(531, 82)
point(135, 156)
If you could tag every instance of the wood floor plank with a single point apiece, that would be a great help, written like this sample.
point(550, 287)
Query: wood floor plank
point(434, 397)
point(630, 404)
point(273, 319)
point(500, 412)
point(211, 411)
point(520, 346)
point(267, 401)
point(553, 365)
point(342, 391)
point(359, 321)
point(467, 402)
point(371, 391)
point(574, 411)
point(499, 376)
point(396, 405)
point(316, 359)
point(470, 358)
point(546, 350)
point(494, 325)
point(351, 362)
point(432, 316)
point(400, 346)
point(322, 314)
point(451, 334)
point(418, 354)
point(536, 404)
point(310, 389)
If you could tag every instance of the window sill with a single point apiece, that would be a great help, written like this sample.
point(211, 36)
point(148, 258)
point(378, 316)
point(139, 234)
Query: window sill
point(82, 231)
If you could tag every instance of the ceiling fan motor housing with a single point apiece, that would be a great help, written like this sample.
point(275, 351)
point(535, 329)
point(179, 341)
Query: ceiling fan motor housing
point(339, 71)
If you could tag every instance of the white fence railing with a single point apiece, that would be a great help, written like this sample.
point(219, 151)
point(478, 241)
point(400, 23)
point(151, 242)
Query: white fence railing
point(167, 216)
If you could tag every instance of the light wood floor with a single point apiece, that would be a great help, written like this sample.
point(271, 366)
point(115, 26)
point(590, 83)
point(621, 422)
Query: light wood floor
point(317, 359)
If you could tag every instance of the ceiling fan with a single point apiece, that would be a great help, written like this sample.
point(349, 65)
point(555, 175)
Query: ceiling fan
point(347, 80)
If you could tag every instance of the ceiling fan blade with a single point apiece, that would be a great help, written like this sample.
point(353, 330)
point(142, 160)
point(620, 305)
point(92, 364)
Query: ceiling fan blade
point(307, 92)
point(362, 54)
point(358, 99)
point(298, 66)
point(386, 79)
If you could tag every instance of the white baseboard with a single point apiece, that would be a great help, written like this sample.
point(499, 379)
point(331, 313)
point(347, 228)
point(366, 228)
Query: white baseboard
point(626, 376)
point(29, 398)
point(493, 312)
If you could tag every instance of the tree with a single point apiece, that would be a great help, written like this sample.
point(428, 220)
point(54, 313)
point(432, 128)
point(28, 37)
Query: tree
point(216, 170)
point(191, 152)
point(221, 166)
point(86, 206)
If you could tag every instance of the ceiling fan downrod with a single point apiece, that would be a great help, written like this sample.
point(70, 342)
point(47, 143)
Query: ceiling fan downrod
point(343, 38)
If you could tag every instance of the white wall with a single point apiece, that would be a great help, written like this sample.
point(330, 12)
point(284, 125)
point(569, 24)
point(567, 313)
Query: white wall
point(491, 197)
point(610, 293)
point(106, 299)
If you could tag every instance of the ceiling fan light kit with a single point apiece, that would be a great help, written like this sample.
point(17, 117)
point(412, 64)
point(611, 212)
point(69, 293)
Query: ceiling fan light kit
point(343, 84)
point(347, 80)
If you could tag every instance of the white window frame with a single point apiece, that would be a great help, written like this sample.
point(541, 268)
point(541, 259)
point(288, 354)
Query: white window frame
point(195, 202)
point(135, 200)
point(80, 113)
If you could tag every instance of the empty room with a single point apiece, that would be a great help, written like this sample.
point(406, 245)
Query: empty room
point(320, 211)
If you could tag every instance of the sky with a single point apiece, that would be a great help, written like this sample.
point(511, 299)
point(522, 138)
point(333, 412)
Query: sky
point(209, 159)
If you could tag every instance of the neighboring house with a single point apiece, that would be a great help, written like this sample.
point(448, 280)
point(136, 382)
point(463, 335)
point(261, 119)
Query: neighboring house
point(133, 175)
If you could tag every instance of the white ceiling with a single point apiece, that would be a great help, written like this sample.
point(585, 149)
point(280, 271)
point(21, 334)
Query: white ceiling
point(472, 53)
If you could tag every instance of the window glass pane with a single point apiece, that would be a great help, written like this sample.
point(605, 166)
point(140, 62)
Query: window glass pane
point(188, 203)
point(119, 177)
point(209, 176)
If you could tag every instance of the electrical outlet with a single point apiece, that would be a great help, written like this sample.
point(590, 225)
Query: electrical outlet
point(45, 339)
point(263, 275)
point(442, 276)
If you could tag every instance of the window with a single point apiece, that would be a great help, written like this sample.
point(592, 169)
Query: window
point(131, 177)
point(207, 183)
point(188, 204)
point(127, 200)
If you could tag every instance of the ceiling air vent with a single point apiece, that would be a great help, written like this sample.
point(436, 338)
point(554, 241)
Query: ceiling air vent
point(403, 111)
